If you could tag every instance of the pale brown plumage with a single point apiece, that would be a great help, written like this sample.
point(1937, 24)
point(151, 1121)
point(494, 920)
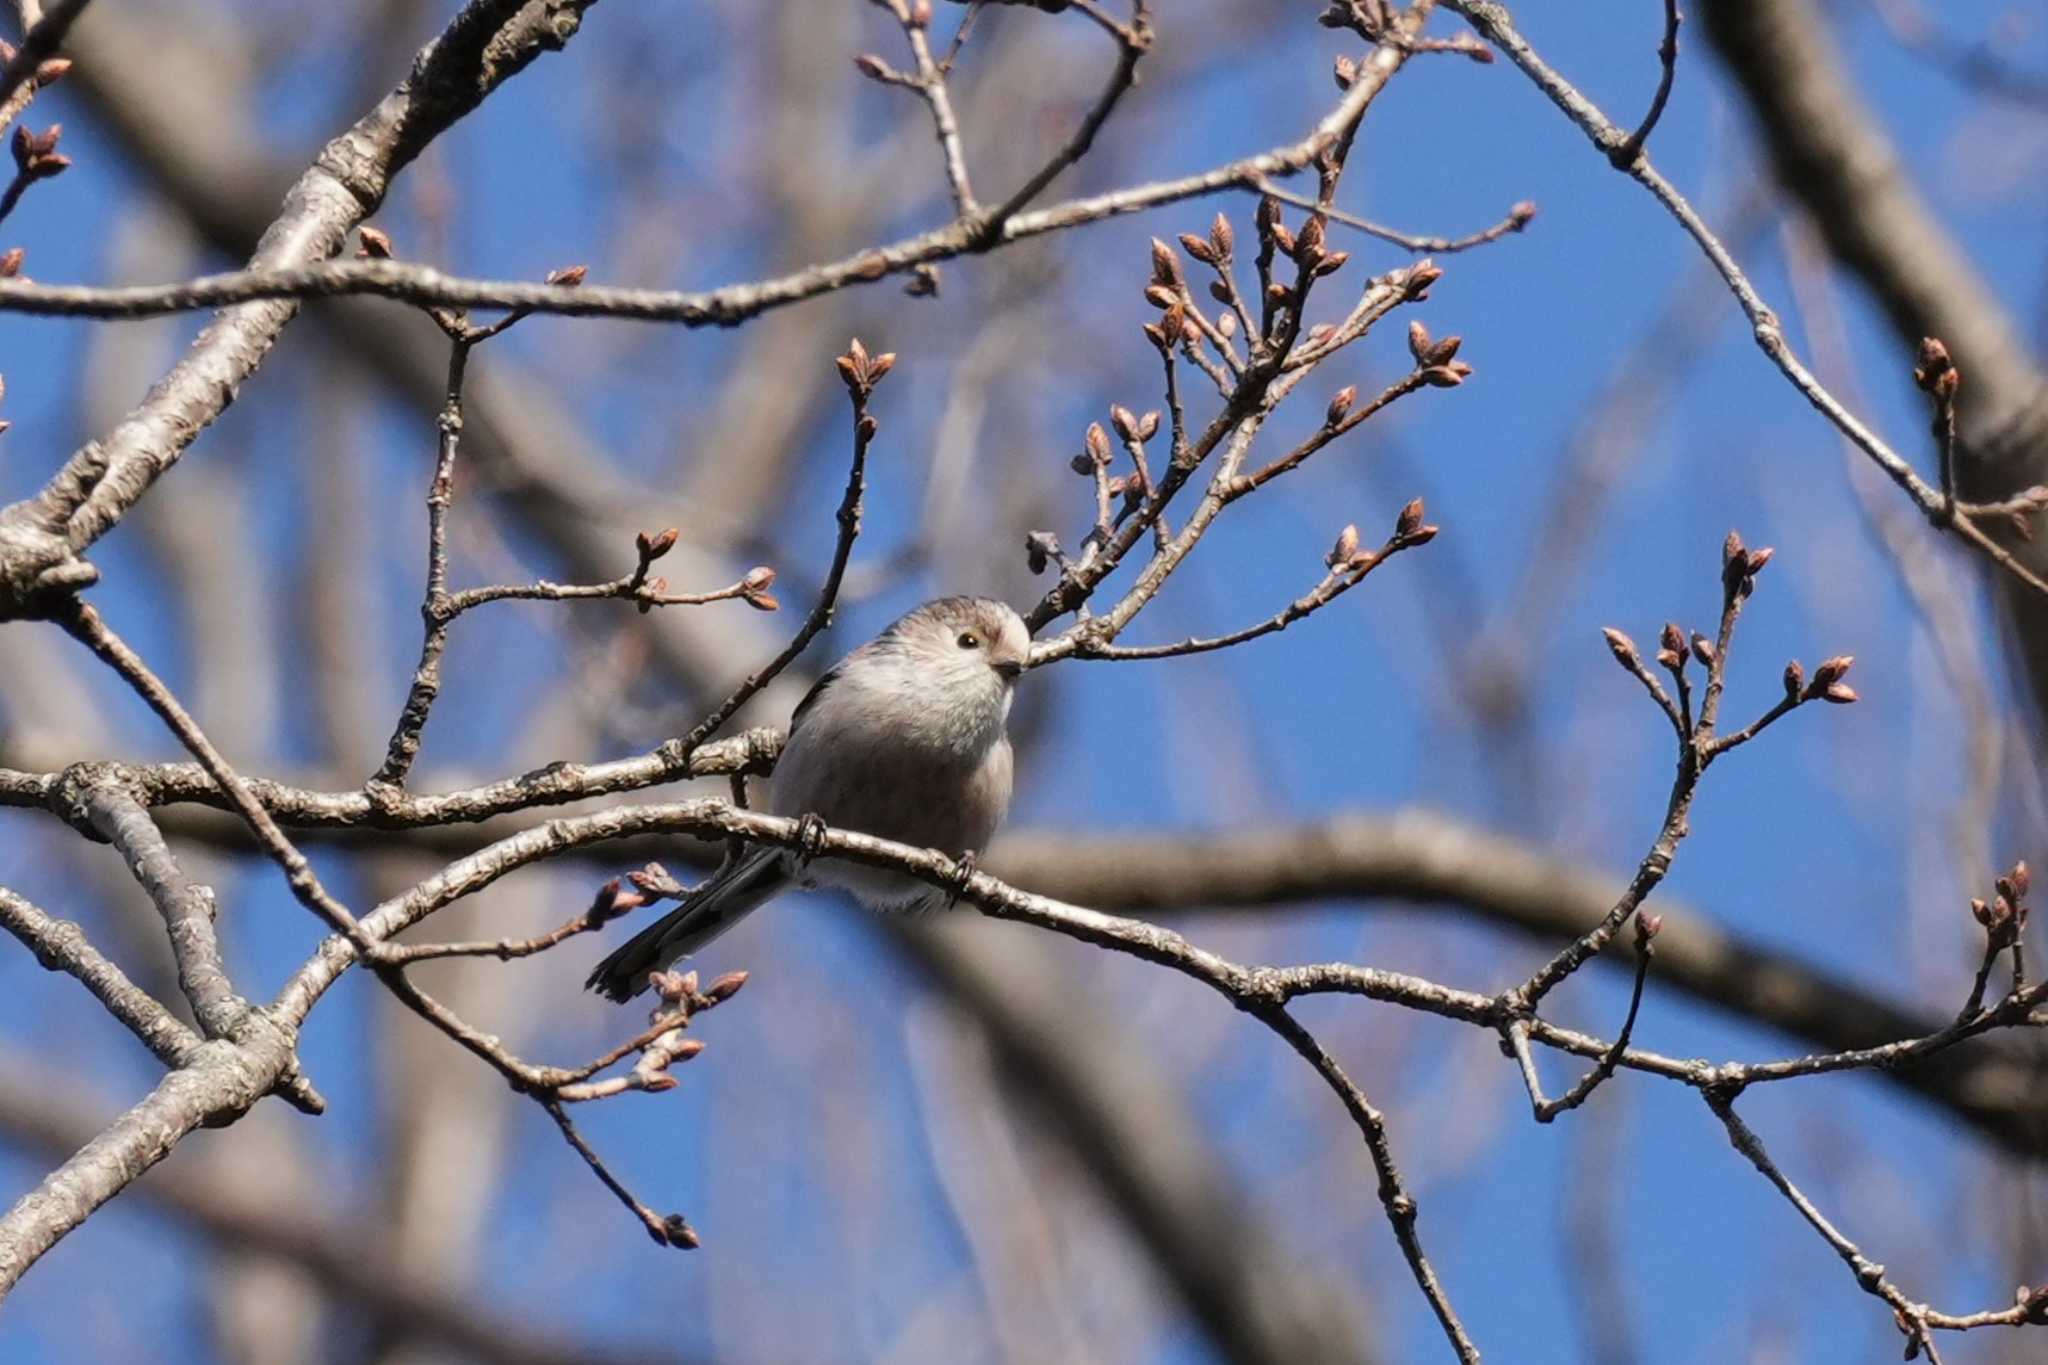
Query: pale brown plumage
point(903, 739)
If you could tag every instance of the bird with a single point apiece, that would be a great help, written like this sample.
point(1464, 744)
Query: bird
point(903, 739)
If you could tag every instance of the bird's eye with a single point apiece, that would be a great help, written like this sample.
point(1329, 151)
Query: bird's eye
point(969, 640)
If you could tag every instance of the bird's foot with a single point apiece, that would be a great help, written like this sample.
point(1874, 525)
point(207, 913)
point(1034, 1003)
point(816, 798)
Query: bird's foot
point(810, 837)
point(964, 868)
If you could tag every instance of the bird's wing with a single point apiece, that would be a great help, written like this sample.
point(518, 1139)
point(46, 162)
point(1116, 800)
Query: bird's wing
point(830, 676)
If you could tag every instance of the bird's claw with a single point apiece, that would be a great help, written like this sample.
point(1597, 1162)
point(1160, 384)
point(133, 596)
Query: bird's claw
point(963, 875)
point(810, 836)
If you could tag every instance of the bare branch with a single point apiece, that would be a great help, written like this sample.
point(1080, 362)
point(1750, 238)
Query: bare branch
point(38, 45)
point(187, 909)
point(487, 43)
point(84, 625)
point(1667, 57)
point(861, 373)
point(1519, 217)
point(1494, 23)
point(61, 946)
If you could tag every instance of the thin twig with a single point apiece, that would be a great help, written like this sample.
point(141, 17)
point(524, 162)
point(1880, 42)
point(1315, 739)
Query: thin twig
point(930, 85)
point(425, 287)
point(1133, 40)
point(1916, 1320)
point(1496, 25)
point(404, 745)
point(83, 623)
point(864, 373)
point(1400, 1205)
point(1547, 1110)
point(1347, 575)
point(666, 1229)
point(1667, 55)
point(1519, 217)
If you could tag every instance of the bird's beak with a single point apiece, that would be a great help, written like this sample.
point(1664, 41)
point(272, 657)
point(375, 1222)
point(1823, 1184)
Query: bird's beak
point(1010, 669)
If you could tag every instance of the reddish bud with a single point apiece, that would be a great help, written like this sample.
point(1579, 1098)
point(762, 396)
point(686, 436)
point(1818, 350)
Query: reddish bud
point(1795, 678)
point(374, 244)
point(1418, 341)
point(1165, 265)
point(655, 546)
point(725, 987)
point(1098, 444)
point(1410, 521)
point(1308, 246)
point(1346, 546)
point(1198, 248)
point(1933, 364)
point(1125, 422)
point(1340, 405)
point(1221, 237)
point(1624, 649)
point(569, 276)
point(1267, 217)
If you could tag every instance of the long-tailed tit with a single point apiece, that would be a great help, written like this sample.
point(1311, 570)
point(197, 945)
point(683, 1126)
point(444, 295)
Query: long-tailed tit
point(902, 739)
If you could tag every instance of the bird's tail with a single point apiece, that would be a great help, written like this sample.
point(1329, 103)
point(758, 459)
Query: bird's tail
point(735, 889)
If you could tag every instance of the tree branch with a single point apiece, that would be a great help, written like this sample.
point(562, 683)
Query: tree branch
point(486, 44)
point(61, 946)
